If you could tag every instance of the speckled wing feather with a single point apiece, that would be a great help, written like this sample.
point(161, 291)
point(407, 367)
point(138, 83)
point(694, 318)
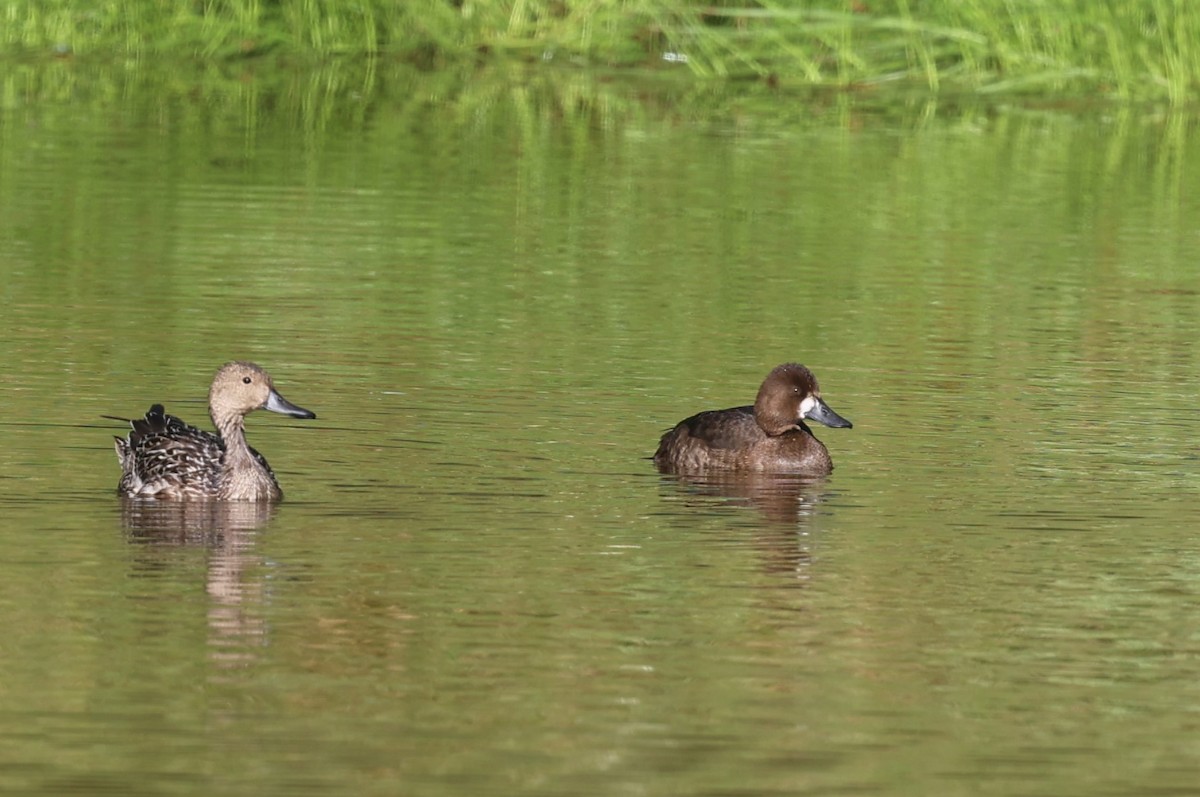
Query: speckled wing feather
point(169, 455)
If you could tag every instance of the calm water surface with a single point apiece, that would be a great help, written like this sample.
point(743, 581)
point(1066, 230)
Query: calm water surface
point(496, 301)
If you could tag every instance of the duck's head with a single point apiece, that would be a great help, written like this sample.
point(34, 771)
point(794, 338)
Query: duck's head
point(789, 396)
point(239, 388)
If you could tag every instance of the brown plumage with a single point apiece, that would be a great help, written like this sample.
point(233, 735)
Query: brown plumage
point(768, 437)
point(163, 457)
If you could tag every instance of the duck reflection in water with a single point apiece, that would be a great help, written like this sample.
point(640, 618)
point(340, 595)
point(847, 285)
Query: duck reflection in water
point(784, 507)
point(779, 499)
point(205, 523)
point(227, 531)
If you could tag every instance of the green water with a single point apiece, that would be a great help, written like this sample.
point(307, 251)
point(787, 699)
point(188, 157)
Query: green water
point(495, 296)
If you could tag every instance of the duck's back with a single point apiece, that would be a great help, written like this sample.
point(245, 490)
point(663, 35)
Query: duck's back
point(166, 457)
point(732, 440)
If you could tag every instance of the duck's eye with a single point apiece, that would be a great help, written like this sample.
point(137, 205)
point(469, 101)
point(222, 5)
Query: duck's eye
point(247, 380)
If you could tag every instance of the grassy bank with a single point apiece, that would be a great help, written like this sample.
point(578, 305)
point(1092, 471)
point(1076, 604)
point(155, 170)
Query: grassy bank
point(1142, 49)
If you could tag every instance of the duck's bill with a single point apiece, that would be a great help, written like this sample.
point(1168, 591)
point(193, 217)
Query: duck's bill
point(821, 413)
point(277, 403)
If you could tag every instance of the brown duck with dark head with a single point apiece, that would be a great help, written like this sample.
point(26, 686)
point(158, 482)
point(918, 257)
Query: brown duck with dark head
point(769, 437)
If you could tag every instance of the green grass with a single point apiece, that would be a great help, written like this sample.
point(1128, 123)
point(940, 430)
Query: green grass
point(1128, 49)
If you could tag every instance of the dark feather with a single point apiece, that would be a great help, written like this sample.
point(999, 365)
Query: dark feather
point(726, 429)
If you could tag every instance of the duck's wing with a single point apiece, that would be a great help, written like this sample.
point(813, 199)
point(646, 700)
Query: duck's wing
point(734, 428)
point(162, 447)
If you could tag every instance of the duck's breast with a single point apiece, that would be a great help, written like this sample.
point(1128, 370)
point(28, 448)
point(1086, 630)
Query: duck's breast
point(796, 451)
point(250, 480)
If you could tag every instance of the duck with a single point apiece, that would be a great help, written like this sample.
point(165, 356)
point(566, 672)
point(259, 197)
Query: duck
point(770, 436)
point(165, 458)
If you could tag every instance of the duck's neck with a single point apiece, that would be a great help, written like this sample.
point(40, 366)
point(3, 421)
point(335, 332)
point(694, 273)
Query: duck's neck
point(233, 434)
point(771, 421)
point(244, 476)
